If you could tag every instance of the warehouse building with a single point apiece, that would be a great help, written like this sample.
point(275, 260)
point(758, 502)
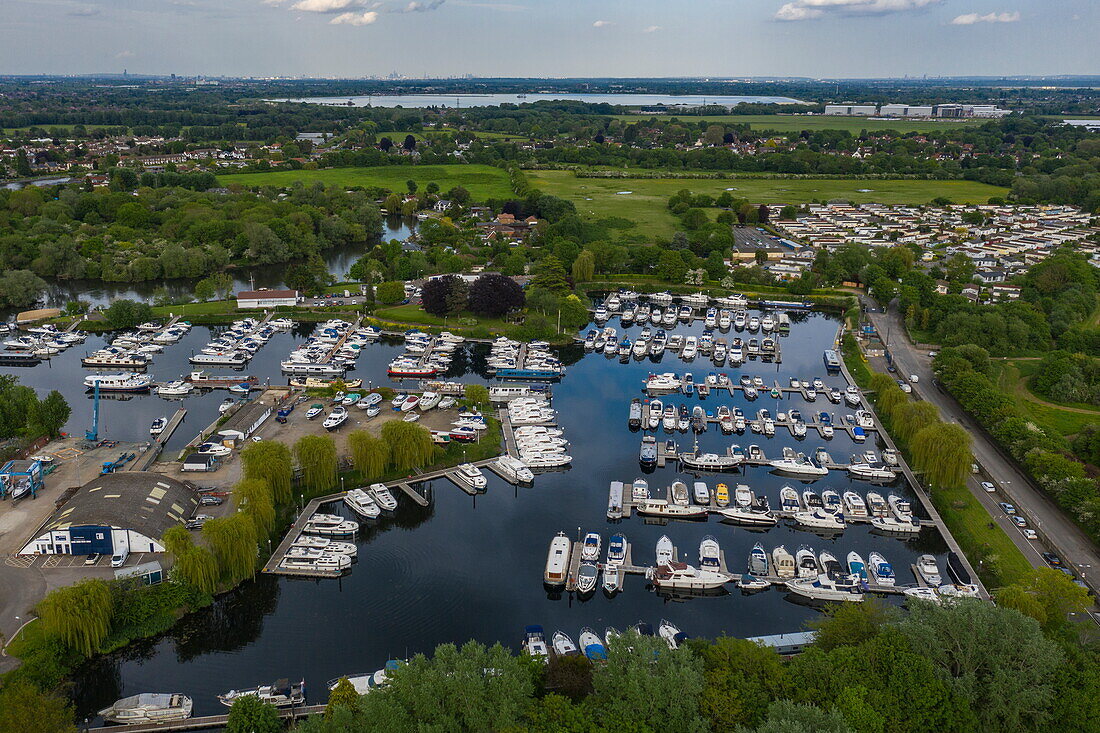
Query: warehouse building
point(126, 511)
point(906, 110)
point(852, 110)
point(244, 422)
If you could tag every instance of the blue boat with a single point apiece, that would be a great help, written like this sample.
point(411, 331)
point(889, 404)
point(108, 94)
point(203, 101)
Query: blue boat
point(832, 361)
point(512, 373)
point(824, 418)
point(592, 645)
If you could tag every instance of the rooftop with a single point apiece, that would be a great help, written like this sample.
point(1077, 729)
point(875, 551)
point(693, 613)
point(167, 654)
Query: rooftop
point(144, 501)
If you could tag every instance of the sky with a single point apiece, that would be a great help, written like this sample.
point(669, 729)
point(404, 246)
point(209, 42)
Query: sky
point(551, 38)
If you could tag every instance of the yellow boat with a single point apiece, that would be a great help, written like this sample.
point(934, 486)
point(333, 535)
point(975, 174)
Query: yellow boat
point(722, 495)
point(315, 383)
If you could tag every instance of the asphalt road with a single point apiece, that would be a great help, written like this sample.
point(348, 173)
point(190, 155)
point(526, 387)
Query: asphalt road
point(1067, 540)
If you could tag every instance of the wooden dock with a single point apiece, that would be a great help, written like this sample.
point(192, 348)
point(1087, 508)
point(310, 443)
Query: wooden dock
point(173, 422)
point(202, 722)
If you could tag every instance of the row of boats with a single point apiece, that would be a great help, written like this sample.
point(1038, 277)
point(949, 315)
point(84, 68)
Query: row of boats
point(330, 351)
point(654, 414)
point(614, 301)
point(425, 355)
point(592, 644)
point(40, 342)
point(751, 386)
point(510, 359)
point(539, 442)
point(828, 511)
point(656, 343)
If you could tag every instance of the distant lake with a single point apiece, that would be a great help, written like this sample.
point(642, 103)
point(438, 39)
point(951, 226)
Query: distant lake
point(495, 100)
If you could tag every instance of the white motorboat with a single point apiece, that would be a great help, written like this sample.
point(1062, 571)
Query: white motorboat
point(880, 570)
point(563, 645)
point(929, 570)
point(665, 550)
point(854, 506)
point(148, 707)
point(366, 682)
point(362, 503)
point(557, 560)
point(678, 493)
point(871, 472)
point(281, 694)
point(616, 550)
point(471, 475)
point(639, 490)
point(819, 520)
point(590, 547)
point(662, 508)
point(587, 576)
point(789, 500)
point(534, 642)
point(157, 427)
point(747, 516)
point(852, 396)
point(671, 634)
point(709, 552)
point(797, 464)
point(176, 388)
point(336, 418)
point(831, 501)
point(824, 588)
point(326, 544)
point(681, 576)
point(330, 525)
point(901, 508)
point(514, 470)
point(710, 461)
point(806, 562)
point(743, 496)
point(923, 594)
point(876, 505)
point(214, 449)
point(701, 493)
point(123, 382)
point(783, 564)
point(857, 568)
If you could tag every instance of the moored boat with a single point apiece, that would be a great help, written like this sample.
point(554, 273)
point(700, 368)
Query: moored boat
point(148, 707)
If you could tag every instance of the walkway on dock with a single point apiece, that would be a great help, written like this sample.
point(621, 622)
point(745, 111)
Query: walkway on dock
point(202, 722)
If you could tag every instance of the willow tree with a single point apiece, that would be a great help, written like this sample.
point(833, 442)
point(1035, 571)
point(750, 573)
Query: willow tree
point(880, 381)
point(253, 497)
point(232, 539)
point(888, 396)
point(410, 444)
point(369, 454)
point(476, 393)
point(942, 451)
point(316, 454)
point(80, 614)
point(195, 565)
point(270, 461)
point(908, 418)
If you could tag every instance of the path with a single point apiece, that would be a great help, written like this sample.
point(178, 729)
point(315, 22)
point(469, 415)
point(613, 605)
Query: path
point(1021, 389)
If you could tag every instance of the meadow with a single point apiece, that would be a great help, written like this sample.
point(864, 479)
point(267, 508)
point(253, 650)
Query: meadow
point(647, 200)
point(797, 123)
point(482, 181)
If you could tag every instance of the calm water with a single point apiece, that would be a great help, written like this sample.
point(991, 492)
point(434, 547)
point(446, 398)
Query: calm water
point(339, 260)
point(495, 100)
point(471, 568)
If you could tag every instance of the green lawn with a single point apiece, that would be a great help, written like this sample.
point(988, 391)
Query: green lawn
point(969, 522)
point(647, 202)
point(412, 313)
point(482, 181)
point(1012, 381)
point(796, 123)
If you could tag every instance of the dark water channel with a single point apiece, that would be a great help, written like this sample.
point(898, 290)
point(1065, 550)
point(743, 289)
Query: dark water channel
point(471, 568)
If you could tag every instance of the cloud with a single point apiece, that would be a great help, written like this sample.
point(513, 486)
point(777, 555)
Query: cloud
point(83, 11)
point(651, 29)
point(972, 18)
point(419, 7)
point(355, 18)
point(324, 6)
point(124, 55)
point(812, 9)
point(602, 24)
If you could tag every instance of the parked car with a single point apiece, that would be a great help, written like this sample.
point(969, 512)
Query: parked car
point(210, 501)
point(1051, 559)
point(904, 386)
point(1007, 508)
point(988, 487)
point(1029, 534)
point(931, 354)
point(1019, 521)
point(914, 378)
point(119, 559)
point(92, 559)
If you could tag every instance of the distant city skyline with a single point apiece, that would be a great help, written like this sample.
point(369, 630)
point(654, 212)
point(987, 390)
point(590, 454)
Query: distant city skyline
point(605, 38)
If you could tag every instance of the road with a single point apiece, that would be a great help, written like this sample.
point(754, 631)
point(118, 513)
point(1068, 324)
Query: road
point(1065, 538)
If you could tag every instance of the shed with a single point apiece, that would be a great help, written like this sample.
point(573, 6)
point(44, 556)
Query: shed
point(245, 421)
point(199, 462)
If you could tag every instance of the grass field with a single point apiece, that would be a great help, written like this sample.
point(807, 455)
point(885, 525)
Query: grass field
point(1066, 419)
point(647, 202)
point(482, 181)
point(796, 123)
point(969, 522)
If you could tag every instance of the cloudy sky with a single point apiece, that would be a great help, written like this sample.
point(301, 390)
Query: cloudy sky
point(815, 38)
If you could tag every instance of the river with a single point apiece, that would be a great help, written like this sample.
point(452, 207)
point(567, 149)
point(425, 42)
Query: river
point(471, 567)
point(495, 100)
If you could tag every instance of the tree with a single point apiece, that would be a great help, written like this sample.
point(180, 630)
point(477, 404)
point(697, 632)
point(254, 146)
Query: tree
point(584, 267)
point(80, 614)
point(436, 295)
point(125, 313)
point(316, 456)
point(249, 714)
point(343, 695)
point(270, 461)
point(51, 414)
point(389, 293)
point(574, 314)
point(739, 674)
point(20, 288)
point(233, 541)
point(495, 295)
point(410, 144)
point(253, 497)
point(850, 624)
point(997, 659)
point(22, 163)
point(549, 275)
point(24, 708)
point(942, 451)
point(642, 681)
point(671, 267)
point(410, 445)
point(385, 143)
point(310, 276)
point(785, 716)
point(1047, 595)
point(204, 289)
point(194, 565)
point(761, 257)
point(478, 394)
point(569, 676)
point(369, 455)
point(908, 418)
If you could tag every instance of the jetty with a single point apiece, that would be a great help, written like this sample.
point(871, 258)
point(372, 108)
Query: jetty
point(203, 722)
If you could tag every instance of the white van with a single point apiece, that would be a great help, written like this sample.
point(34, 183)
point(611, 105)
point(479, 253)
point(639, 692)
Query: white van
point(119, 558)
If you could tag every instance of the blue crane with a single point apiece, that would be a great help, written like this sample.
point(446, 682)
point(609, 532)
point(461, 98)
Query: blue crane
point(93, 434)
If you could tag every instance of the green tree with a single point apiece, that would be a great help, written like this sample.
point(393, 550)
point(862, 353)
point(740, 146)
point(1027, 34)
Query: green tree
point(343, 695)
point(549, 274)
point(574, 314)
point(24, 708)
point(785, 716)
point(20, 288)
point(254, 498)
point(1047, 595)
point(194, 565)
point(22, 163)
point(942, 452)
point(477, 394)
point(671, 267)
point(51, 414)
point(125, 313)
point(642, 682)
point(233, 541)
point(908, 418)
point(389, 293)
point(80, 614)
point(739, 674)
point(204, 290)
point(851, 624)
point(584, 267)
point(223, 284)
point(249, 714)
point(410, 444)
point(369, 454)
point(316, 455)
point(270, 461)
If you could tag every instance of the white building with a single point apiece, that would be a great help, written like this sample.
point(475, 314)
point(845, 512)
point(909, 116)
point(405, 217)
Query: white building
point(905, 110)
point(852, 110)
point(266, 298)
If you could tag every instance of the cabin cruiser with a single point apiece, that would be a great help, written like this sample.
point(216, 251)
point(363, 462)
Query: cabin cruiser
point(756, 516)
point(691, 348)
point(929, 570)
point(824, 588)
point(830, 565)
point(647, 455)
point(709, 461)
point(123, 382)
point(797, 464)
point(709, 553)
point(681, 576)
point(758, 560)
point(852, 396)
point(678, 493)
point(881, 571)
point(514, 470)
point(895, 526)
point(639, 490)
point(806, 562)
point(330, 525)
point(831, 501)
point(701, 493)
point(616, 550)
point(324, 543)
point(534, 642)
point(563, 645)
point(470, 475)
point(336, 418)
point(557, 560)
point(667, 382)
point(870, 472)
point(857, 569)
point(812, 501)
point(383, 497)
point(663, 508)
point(148, 707)
point(900, 507)
point(281, 694)
point(789, 500)
point(587, 576)
point(876, 505)
point(854, 506)
point(665, 550)
point(590, 548)
point(783, 565)
point(819, 520)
